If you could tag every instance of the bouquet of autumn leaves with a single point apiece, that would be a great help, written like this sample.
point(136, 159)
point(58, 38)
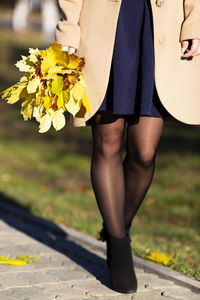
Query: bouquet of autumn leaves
point(53, 84)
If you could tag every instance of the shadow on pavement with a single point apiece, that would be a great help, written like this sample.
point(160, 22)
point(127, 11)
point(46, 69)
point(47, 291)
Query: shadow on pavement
point(52, 236)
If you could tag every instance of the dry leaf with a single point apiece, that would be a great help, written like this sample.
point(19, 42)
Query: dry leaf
point(160, 257)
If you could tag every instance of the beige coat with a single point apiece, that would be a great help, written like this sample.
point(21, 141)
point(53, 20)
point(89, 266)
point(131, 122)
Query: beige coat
point(90, 27)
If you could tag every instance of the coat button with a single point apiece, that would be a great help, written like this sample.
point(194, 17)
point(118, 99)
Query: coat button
point(161, 40)
point(159, 3)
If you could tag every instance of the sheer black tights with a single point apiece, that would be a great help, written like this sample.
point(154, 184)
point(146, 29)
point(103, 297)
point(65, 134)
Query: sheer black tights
point(139, 163)
point(120, 186)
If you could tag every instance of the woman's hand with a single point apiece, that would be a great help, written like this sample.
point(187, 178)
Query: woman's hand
point(69, 49)
point(193, 50)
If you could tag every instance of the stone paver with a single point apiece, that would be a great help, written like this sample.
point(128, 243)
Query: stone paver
point(71, 266)
point(180, 293)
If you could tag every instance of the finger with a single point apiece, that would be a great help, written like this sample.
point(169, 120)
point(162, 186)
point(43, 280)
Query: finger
point(71, 50)
point(197, 52)
point(65, 48)
point(193, 49)
point(185, 45)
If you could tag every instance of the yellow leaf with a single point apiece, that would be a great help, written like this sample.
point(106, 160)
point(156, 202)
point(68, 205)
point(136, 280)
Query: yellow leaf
point(49, 60)
point(15, 95)
point(45, 123)
point(36, 113)
point(77, 91)
point(86, 103)
point(27, 112)
point(33, 85)
point(21, 260)
point(72, 106)
point(23, 79)
point(57, 85)
point(27, 106)
point(72, 78)
point(82, 81)
point(24, 94)
point(27, 259)
point(23, 66)
point(59, 120)
point(47, 88)
point(55, 46)
point(40, 95)
point(33, 52)
point(62, 57)
point(75, 62)
point(11, 261)
point(52, 72)
point(47, 102)
point(160, 257)
point(6, 93)
point(51, 113)
point(66, 96)
point(60, 101)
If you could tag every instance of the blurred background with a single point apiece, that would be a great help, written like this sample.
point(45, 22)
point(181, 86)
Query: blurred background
point(49, 174)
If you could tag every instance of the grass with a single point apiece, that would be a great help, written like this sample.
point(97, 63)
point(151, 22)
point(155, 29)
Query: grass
point(49, 175)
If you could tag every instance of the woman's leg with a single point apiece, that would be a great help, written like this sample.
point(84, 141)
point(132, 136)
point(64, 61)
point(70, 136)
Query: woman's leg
point(107, 170)
point(108, 183)
point(139, 164)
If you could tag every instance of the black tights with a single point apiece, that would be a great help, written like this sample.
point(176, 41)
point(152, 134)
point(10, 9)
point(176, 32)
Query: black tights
point(120, 185)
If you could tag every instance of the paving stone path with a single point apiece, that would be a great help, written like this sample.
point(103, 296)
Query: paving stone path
point(72, 265)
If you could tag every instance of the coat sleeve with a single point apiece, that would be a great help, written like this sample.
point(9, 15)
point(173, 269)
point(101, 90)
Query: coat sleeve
point(68, 30)
point(191, 25)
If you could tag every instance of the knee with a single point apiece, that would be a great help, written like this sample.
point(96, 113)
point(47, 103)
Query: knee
point(144, 157)
point(109, 146)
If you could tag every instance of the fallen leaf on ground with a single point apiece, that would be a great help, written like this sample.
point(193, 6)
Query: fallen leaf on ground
point(21, 260)
point(160, 257)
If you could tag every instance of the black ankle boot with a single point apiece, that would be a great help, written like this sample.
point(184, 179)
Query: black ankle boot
point(103, 236)
point(103, 233)
point(121, 267)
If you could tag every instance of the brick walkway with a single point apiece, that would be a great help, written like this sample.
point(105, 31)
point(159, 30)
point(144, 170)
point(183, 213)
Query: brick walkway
point(72, 265)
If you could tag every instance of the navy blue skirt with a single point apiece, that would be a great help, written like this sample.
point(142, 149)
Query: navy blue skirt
point(131, 87)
